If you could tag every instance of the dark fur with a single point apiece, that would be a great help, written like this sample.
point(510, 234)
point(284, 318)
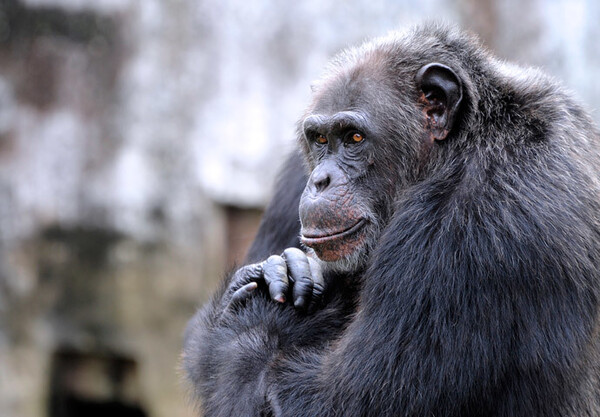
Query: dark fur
point(481, 296)
point(280, 226)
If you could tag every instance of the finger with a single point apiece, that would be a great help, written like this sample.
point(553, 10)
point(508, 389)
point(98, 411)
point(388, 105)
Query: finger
point(275, 274)
point(300, 275)
point(241, 295)
point(246, 275)
point(318, 282)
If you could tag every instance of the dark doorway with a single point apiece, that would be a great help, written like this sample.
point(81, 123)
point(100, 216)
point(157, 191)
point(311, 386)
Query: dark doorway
point(90, 385)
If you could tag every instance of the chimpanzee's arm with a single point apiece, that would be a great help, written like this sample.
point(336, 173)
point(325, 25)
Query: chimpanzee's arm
point(230, 343)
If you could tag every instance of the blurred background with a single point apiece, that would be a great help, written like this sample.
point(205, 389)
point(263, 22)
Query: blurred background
point(139, 140)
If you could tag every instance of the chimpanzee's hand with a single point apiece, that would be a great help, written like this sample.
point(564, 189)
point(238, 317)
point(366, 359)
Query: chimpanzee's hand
point(292, 276)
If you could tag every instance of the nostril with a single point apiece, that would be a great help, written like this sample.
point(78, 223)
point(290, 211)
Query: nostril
point(320, 179)
point(325, 175)
point(322, 183)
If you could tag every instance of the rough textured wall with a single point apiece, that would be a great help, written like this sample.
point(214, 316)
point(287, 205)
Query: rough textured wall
point(134, 137)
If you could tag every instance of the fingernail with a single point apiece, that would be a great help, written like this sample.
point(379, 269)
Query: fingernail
point(280, 298)
point(252, 286)
point(299, 302)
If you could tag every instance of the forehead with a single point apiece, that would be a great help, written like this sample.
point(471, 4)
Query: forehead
point(363, 85)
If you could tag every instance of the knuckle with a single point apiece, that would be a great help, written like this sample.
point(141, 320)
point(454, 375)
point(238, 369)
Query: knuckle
point(247, 269)
point(293, 252)
point(280, 271)
point(275, 260)
point(272, 258)
point(304, 281)
point(318, 290)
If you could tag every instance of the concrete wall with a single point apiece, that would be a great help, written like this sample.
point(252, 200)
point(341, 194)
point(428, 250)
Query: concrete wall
point(138, 143)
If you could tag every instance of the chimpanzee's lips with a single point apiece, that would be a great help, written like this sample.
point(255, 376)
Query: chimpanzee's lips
point(335, 245)
point(312, 239)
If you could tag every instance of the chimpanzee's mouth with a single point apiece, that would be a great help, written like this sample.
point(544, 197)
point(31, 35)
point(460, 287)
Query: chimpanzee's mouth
point(310, 239)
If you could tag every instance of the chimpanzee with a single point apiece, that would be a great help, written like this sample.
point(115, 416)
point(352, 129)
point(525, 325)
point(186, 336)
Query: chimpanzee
point(451, 234)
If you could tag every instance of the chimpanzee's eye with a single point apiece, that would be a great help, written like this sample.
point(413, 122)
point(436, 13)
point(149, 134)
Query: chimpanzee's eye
point(358, 137)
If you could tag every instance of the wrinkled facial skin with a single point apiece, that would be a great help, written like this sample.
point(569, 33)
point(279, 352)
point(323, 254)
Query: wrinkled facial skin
point(336, 218)
point(365, 141)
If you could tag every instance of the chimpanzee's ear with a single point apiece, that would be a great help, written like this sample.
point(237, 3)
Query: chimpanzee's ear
point(441, 94)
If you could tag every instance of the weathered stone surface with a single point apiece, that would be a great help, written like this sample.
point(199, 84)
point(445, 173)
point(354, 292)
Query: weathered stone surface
point(134, 136)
